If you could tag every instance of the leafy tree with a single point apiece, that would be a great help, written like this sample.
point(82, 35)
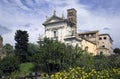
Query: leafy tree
point(55, 56)
point(32, 50)
point(49, 54)
point(9, 64)
point(114, 61)
point(21, 46)
point(8, 48)
point(1, 73)
point(117, 50)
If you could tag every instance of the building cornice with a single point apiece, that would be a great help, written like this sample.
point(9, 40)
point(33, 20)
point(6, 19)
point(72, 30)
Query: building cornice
point(107, 35)
point(89, 32)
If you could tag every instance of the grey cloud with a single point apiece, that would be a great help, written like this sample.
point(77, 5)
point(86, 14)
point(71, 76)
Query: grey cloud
point(106, 28)
point(26, 25)
point(36, 29)
point(4, 30)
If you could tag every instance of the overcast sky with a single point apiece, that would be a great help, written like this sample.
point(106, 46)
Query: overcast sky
point(103, 15)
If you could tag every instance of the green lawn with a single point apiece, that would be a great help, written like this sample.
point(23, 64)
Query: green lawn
point(26, 67)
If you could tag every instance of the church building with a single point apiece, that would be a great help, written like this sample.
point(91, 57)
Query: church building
point(65, 30)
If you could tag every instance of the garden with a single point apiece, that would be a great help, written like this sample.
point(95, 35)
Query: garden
point(54, 60)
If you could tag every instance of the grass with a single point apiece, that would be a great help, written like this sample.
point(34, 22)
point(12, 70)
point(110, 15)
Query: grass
point(26, 67)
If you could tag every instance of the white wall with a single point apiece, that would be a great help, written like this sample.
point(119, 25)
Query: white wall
point(61, 28)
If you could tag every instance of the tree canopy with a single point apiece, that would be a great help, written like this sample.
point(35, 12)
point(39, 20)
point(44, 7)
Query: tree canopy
point(117, 51)
point(21, 45)
point(9, 64)
point(8, 48)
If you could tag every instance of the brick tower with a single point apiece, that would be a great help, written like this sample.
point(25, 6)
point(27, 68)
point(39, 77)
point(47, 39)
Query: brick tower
point(1, 47)
point(1, 42)
point(72, 19)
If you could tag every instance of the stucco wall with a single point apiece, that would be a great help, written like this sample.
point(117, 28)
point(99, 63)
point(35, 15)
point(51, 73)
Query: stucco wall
point(91, 47)
point(73, 40)
point(104, 51)
point(105, 43)
point(61, 29)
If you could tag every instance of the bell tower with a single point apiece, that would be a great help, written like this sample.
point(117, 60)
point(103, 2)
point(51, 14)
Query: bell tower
point(1, 42)
point(72, 20)
point(1, 47)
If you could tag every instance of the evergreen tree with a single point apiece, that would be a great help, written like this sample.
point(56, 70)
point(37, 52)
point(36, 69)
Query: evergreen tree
point(21, 46)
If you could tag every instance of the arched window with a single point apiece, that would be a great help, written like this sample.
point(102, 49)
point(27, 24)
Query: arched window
point(55, 33)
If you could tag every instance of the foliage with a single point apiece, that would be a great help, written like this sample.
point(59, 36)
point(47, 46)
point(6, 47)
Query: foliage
point(65, 61)
point(55, 56)
point(9, 64)
point(117, 51)
point(114, 61)
point(86, 60)
point(21, 47)
point(81, 73)
point(24, 69)
point(32, 50)
point(101, 62)
point(8, 48)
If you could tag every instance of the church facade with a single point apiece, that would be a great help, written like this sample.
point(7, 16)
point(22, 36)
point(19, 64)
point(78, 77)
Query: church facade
point(65, 30)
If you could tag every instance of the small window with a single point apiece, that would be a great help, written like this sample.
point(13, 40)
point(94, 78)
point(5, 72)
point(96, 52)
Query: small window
point(101, 52)
point(105, 38)
point(70, 13)
point(55, 33)
point(103, 46)
point(100, 38)
point(92, 35)
point(87, 35)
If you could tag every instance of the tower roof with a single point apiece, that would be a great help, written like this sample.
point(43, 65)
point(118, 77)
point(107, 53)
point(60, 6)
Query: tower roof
point(71, 9)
